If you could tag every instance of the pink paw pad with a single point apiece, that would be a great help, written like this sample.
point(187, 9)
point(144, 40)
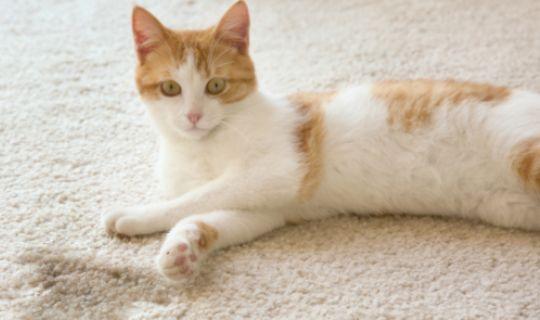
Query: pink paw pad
point(184, 259)
point(180, 261)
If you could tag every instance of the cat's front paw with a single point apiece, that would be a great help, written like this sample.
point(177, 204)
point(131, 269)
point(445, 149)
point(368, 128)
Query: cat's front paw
point(122, 222)
point(183, 252)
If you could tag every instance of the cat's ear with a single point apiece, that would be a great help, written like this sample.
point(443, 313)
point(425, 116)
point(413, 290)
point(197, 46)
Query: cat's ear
point(148, 32)
point(233, 28)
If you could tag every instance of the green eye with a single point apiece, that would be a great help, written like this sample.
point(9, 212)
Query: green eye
point(170, 88)
point(215, 85)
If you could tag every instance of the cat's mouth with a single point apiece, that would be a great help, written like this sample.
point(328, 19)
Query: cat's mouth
point(196, 129)
point(193, 132)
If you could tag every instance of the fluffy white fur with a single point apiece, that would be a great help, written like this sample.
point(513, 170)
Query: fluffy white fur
point(243, 175)
point(239, 169)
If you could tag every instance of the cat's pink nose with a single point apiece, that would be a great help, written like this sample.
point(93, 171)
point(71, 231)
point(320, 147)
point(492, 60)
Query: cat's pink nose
point(194, 117)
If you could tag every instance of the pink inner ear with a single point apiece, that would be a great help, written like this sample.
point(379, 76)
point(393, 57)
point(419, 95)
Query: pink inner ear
point(234, 26)
point(147, 32)
point(140, 40)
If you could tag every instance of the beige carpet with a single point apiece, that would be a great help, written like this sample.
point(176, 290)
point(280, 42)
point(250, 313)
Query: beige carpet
point(74, 141)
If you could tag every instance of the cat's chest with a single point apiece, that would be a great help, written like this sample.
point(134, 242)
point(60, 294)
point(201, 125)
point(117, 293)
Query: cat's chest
point(180, 172)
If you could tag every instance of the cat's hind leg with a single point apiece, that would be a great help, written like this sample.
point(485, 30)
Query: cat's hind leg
point(519, 206)
point(511, 210)
point(190, 241)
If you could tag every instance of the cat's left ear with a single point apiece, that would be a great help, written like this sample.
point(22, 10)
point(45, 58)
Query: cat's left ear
point(233, 28)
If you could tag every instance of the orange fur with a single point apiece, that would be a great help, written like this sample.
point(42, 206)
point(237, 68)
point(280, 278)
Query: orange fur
point(213, 58)
point(526, 161)
point(208, 235)
point(310, 138)
point(411, 102)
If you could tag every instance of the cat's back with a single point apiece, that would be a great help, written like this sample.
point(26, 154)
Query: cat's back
point(413, 106)
point(419, 112)
point(422, 140)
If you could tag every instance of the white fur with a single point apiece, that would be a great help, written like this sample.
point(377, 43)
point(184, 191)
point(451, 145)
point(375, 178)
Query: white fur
point(240, 173)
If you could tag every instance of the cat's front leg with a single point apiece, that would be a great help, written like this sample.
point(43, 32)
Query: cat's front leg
point(237, 189)
point(158, 217)
point(193, 238)
point(140, 220)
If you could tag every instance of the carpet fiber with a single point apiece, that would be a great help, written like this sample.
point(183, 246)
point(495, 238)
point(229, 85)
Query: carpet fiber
point(75, 141)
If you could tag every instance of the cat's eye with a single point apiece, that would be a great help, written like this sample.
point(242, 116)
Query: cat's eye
point(170, 88)
point(215, 86)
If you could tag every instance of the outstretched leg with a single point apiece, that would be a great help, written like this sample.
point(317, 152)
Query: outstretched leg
point(188, 243)
point(235, 189)
point(141, 220)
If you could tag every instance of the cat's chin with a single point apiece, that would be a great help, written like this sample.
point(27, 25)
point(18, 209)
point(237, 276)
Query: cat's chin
point(194, 133)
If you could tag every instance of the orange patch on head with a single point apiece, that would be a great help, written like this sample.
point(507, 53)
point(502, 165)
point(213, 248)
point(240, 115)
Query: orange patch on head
point(208, 235)
point(526, 161)
point(310, 138)
point(219, 51)
point(412, 102)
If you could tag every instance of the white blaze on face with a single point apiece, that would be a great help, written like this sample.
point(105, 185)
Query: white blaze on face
point(193, 86)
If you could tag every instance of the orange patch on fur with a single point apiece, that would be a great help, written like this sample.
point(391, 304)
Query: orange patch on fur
point(412, 102)
point(526, 161)
point(310, 138)
point(208, 235)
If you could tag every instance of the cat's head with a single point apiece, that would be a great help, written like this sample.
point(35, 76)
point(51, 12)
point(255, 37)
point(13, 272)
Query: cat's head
point(189, 79)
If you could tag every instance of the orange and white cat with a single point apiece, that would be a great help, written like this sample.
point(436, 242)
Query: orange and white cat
point(238, 162)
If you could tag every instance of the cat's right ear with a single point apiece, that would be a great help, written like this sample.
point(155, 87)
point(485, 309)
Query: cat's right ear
point(233, 28)
point(148, 32)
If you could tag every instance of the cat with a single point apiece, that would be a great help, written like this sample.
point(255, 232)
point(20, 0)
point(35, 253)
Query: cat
point(237, 163)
